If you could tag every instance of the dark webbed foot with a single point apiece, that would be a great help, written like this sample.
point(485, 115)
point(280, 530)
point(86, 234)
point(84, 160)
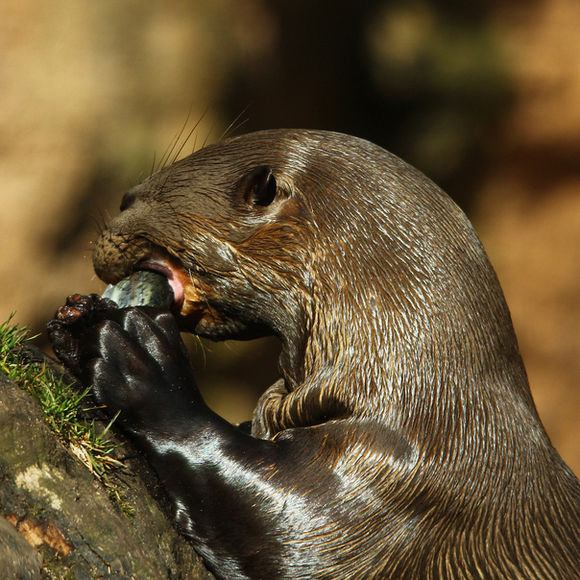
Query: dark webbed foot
point(133, 358)
point(70, 324)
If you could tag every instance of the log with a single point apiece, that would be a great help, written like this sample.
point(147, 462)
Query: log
point(58, 520)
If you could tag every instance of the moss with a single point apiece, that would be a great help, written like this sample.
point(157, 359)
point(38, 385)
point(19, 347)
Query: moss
point(64, 408)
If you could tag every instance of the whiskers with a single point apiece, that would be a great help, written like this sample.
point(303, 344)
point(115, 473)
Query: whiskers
point(238, 122)
point(177, 145)
point(99, 220)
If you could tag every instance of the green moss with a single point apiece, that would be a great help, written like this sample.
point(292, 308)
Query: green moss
point(63, 407)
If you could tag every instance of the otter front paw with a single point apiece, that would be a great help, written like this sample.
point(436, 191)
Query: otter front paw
point(71, 322)
point(141, 368)
point(134, 360)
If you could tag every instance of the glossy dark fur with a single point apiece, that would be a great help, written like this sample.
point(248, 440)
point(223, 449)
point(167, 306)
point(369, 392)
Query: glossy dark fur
point(401, 440)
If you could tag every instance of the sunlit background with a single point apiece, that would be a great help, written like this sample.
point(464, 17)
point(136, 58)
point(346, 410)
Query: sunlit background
point(484, 97)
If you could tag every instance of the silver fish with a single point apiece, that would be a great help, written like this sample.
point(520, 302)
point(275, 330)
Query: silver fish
point(142, 288)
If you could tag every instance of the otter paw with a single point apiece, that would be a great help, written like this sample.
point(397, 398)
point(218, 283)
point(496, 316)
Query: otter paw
point(137, 364)
point(70, 323)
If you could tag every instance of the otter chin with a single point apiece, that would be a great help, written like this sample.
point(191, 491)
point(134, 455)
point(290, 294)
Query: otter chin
point(401, 439)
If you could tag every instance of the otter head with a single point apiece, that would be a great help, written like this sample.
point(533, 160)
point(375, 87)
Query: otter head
point(224, 226)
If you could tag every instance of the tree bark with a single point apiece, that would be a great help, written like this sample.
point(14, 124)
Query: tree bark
point(57, 520)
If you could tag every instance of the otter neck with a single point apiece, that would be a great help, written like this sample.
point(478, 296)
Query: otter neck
point(415, 372)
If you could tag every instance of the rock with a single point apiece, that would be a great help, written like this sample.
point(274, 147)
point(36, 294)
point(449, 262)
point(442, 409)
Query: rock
point(18, 559)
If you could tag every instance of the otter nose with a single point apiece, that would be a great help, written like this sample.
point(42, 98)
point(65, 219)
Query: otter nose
point(128, 200)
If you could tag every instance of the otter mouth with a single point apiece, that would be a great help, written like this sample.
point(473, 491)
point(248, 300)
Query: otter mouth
point(161, 281)
point(190, 295)
point(172, 274)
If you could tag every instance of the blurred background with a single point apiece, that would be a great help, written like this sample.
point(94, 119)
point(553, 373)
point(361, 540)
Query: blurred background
point(484, 97)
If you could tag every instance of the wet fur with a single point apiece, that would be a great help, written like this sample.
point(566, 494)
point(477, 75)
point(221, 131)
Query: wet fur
point(401, 440)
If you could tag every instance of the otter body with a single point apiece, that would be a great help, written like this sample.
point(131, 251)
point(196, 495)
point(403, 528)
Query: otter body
point(401, 440)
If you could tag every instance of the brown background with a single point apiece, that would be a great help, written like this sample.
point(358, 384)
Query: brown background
point(485, 99)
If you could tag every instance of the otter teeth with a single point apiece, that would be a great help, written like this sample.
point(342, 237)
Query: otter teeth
point(142, 288)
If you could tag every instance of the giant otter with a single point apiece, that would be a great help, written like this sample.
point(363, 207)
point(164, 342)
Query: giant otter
point(401, 440)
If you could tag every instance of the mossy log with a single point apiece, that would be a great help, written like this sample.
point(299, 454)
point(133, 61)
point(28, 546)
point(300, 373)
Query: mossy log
point(57, 520)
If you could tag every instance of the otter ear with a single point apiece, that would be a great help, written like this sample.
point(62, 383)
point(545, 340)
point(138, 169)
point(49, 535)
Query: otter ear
point(259, 187)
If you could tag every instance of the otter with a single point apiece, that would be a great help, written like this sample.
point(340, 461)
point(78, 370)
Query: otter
point(401, 440)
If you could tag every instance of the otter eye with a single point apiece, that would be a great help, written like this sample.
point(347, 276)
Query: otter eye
point(260, 187)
